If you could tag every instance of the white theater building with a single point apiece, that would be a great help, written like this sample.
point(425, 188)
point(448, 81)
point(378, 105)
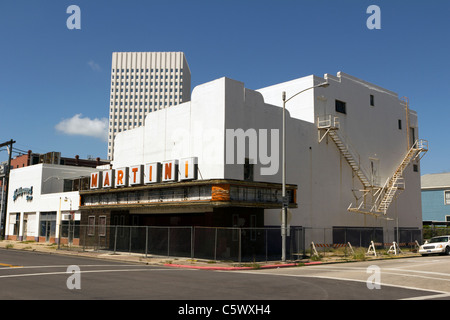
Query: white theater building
point(352, 162)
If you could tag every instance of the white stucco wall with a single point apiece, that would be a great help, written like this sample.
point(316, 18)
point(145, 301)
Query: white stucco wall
point(300, 107)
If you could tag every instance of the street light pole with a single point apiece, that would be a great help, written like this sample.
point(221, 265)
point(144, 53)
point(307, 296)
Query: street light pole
point(283, 182)
point(285, 201)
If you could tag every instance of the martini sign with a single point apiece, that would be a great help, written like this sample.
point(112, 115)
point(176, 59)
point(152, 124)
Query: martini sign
point(149, 173)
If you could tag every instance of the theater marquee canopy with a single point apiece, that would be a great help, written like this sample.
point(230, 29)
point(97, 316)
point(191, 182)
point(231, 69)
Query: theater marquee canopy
point(190, 194)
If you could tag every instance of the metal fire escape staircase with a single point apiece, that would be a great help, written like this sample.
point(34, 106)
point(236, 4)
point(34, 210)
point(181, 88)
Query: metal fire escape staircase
point(388, 192)
point(382, 197)
point(330, 125)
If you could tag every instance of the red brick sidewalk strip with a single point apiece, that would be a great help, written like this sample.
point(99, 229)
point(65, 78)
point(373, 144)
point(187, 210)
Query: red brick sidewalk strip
point(271, 266)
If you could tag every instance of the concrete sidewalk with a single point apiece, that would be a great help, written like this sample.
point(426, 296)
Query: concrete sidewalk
point(177, 262)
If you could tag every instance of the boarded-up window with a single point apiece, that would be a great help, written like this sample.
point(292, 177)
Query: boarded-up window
point(91, 225)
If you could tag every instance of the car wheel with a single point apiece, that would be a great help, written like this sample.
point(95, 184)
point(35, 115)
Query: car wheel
point(447, 250)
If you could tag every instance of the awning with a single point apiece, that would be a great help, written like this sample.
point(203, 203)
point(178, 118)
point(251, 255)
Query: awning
point(198, 194)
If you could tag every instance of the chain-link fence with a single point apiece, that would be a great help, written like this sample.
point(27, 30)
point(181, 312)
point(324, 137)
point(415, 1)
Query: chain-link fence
point(225, 244)
point(430, 231)
point(228, 244)
point(363, 236)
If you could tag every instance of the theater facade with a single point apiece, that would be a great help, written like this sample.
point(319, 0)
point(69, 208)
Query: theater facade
point(131, 197)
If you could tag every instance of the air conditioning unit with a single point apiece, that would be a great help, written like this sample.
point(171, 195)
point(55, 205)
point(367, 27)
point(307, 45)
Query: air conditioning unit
point(67, 216)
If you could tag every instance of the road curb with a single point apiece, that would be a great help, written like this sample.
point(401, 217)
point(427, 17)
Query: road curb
point(274, 266)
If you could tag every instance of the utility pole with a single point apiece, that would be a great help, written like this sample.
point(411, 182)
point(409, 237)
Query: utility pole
point(5, 200)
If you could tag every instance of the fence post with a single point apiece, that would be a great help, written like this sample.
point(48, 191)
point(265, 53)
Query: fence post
point(267, 247)
point(360, 238)
point(85, 239)
point(192, 241)
point(168, 241)
point(324, 241)
point(146, 241)
point(215, 244)
point(291, 244)
point(129, 238)
point(115, 240)
point(304, 241)
point(240, 244)
point(98, 237)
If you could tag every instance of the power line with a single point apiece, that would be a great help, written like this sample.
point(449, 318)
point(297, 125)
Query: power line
point(20, 149)
point(31, 148)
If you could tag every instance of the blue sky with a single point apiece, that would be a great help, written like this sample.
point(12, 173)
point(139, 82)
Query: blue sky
point(49, 73)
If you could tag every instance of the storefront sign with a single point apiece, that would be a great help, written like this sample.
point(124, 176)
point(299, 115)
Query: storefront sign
point(167, 171)
point(28, 192)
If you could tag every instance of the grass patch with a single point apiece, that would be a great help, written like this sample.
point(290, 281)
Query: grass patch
point(316, 258)
point(253, 265)
point(360, 254)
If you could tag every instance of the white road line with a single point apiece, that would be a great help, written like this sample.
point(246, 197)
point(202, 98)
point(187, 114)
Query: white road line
point(80, 265)
point(363, 269)
point(346, 279)
point(385, 271)
point(436, 296)
point(419, 271)
point(434, 262)
point(85, 271)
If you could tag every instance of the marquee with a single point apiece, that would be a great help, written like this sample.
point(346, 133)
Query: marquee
point(155, 172)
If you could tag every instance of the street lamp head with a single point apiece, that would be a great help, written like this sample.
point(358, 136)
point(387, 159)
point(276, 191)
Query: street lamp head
point(323, 85)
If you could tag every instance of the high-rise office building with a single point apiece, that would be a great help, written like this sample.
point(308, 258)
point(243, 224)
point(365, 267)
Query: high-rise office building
point(143, 82)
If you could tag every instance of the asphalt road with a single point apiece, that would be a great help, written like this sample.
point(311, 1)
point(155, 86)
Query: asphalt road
point(36, 276)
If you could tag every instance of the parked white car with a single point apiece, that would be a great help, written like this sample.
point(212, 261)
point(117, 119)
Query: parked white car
point(439, 244)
